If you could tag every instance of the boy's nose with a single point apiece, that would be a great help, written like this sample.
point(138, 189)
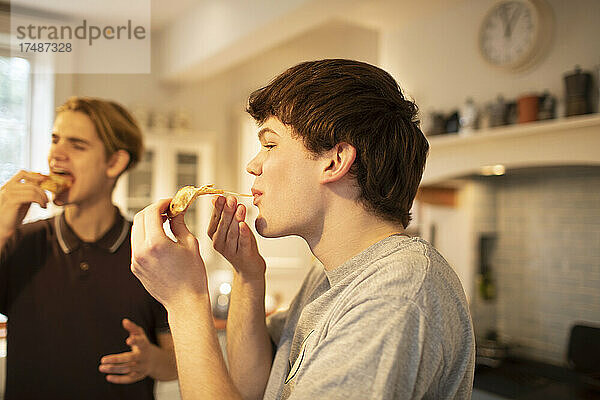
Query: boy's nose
point(254, 167)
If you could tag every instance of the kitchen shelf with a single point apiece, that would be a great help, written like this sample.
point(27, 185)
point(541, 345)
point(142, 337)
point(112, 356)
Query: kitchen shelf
point(566, 141)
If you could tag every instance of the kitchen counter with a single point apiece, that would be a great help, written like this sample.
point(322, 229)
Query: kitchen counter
point(524, 379)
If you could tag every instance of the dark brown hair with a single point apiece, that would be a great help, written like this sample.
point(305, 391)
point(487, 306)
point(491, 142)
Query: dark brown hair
point(115, 126)
point(326, 102)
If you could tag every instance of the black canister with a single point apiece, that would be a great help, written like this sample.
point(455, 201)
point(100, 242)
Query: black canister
point(578, 87)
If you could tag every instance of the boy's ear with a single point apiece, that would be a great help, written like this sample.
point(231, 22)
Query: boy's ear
point(117, 163)
point(339, 160)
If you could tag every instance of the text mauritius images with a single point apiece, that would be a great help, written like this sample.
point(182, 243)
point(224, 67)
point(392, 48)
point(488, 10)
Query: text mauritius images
point(83, 31)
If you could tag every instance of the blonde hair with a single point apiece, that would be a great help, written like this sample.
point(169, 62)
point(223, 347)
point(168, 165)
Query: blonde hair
point(115, 126)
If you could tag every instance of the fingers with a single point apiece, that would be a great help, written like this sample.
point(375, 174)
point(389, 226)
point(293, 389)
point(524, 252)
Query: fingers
point(124, 364)
point(233, 233)
point(153, 221)
point(24, 187)
point(122, 369)
point(245, 239)
point(218, 203)
point(26, 176)
point(132, 327)
point(137, 340)
point(125, 379)
point(240, 213)
point(127, 372)
point(25, 193)
point(179, 228)
point(120, 358)
point(220, 236)
point(137, 335)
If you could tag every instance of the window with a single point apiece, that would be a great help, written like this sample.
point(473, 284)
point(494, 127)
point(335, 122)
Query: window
point(15, 100)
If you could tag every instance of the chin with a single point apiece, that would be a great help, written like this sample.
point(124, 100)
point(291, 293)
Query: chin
point(61, 199)
point(268, 231)
point(262, 227)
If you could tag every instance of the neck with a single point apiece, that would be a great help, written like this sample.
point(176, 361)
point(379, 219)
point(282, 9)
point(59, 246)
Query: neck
point(92, 220)
point(346, 234)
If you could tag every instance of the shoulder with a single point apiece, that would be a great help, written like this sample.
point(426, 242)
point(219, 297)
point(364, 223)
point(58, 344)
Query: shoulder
point(42, 225)
point(37, 231)
point(399, 270)
point(410, 268)
point(411, 271)
point(30, 240)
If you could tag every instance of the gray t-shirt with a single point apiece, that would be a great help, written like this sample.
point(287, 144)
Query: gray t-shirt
point(390, 323)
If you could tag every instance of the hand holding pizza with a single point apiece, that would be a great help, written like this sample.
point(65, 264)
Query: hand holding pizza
point(170, 271)
point(16, 197)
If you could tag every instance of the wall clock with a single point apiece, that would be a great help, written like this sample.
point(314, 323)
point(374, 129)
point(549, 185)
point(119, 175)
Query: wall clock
point(514, 34)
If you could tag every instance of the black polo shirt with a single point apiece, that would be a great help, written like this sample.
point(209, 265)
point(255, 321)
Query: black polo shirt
point(65, 299)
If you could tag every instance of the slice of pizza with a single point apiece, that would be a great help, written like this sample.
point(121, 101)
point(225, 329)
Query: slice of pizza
point(187, 194)
point(56, 183)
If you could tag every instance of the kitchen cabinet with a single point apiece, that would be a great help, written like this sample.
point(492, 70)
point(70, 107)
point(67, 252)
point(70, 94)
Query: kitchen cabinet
point(169, 162)
point(564, 141)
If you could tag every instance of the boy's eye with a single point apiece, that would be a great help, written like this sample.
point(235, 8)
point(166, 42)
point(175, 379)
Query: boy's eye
point(268, 146)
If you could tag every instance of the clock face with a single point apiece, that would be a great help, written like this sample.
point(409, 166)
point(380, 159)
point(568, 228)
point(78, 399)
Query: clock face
point(509, 33)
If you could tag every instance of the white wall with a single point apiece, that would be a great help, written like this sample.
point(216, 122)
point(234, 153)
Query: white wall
point(437, 61)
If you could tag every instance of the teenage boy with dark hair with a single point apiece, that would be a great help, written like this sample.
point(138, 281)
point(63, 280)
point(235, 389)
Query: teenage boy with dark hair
point(386, 318)
point(80, 325)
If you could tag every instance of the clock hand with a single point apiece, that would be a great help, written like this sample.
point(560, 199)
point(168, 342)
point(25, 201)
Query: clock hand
point(504, 16)
point(511, 22)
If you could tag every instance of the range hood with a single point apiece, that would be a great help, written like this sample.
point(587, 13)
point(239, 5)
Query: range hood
point(565, 141)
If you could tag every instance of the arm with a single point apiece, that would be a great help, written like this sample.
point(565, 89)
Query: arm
point(249, 347)
point(16, 197)
point(166, 368)
point(174, 273)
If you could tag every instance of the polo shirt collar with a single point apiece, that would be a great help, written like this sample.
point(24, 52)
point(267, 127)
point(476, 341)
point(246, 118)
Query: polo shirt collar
point(111, 241)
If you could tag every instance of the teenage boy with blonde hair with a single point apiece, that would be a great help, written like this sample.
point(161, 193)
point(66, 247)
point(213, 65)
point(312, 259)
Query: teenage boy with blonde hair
point(386, 318)
point(80, 325)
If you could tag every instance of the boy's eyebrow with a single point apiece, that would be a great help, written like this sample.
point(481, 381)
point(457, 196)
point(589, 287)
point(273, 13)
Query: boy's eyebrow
point(72, 139)
point(262, 132)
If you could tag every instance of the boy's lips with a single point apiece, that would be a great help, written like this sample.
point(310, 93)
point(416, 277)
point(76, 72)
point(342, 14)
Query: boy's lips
point(257, 194)
point(62, 172)
point(60, 169)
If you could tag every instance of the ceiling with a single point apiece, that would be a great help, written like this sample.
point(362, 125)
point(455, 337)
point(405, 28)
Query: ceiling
point(198, 38)
point(369, 13)
point(162, 12)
